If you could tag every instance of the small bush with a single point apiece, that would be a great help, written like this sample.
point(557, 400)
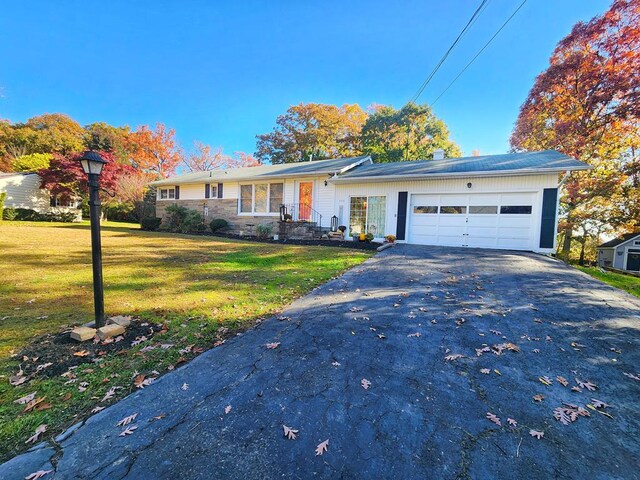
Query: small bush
point(184, 220)
point(65, 217)
point(263, 231)
point(218, 224)
point(9, 213)
point(3, 197)
point(150, 224)
point(27, 214)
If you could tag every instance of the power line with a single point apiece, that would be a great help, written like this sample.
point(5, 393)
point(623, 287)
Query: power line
point(471, 21)
point(479, 52)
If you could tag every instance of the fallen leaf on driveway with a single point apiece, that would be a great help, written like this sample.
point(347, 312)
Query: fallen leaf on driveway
point(588, 385)
point(37, 475)
point(632, 376)
point(271, 346)
point(512, 422)
point(289, 432)
point(39, 431)
point(185, 386)
point(128, 431)
point(322, 447)
point(493, 418)
point(598, 403)
point(381, 336)
point(127, 420)
point(545, 380)
point(562, 381)
point(537, 434)
point(365, 383)
point(486, 371)
point(538, 397)
point(227, 409)
point(452, 357)
point(417, 334)
point(336, 364)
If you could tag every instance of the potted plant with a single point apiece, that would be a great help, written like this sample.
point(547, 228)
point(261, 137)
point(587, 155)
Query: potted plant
point(362, 237)
point(368, 237)
point(342, 228)
point(390, 238)
point(354, 236)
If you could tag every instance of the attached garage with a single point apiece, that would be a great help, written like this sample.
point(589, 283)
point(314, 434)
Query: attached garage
point(481, 220)
point(497, 201)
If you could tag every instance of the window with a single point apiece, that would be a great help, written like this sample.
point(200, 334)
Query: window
point(484, 209)
point(210, 191)
point(62, 202)
point(515, 209)
point(425, 209)
point(453, 209)
point(368, 215)
point(166, 193)
point(261, 198)
point(636, 242)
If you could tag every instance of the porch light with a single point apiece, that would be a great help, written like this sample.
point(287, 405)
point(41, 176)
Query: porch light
point(92, 164)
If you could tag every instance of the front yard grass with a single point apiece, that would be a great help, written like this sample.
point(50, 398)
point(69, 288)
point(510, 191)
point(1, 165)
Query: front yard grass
point(200, 288)
point(628, 283)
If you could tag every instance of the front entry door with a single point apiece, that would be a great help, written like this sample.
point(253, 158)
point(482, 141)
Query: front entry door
point(633, 260)
point(305, 199)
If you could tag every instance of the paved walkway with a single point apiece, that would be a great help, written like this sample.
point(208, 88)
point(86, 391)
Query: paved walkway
point(422, 416)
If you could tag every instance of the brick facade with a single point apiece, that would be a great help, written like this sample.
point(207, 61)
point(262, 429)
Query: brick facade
point(226, 208)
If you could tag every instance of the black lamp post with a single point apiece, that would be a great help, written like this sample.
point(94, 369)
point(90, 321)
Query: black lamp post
point(92, 164)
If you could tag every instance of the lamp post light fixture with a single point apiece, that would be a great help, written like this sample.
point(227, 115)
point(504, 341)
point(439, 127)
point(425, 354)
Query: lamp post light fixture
point(92, 164)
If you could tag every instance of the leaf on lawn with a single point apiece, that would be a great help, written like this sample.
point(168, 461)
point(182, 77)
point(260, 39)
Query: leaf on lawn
point(127, 431)
point(32, 404)
point(493, 418)
point(110, 394)
point(81, 353)
point(417, 334)
point(185, 386)
point(138, 340)
point(536, 434)
point(452, 357)
point(97, 409)
point(289, 432)
point(126, 420)
point(271, 346)
point(365, 383)
point(562, 381)
point(37, 475)
point(39, 431)
point(25, 399)
point(322, 447)
point(512, 422)
point(141, 381)
point(588, 385)
point(18, 378)
point(545, 380)
point(538, 397)
point(486, 371)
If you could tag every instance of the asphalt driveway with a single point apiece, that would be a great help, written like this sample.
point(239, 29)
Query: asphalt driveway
point(442, 337)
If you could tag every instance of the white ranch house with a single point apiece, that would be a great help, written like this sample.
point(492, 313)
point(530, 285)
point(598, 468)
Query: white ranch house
point(621, 253)
point(505, 201)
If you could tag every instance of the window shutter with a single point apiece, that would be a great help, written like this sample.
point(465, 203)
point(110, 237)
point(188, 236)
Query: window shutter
point(207, 190)
point(52, 201)
point(548, 220)
point(177, 192)
point(219, 190)
point(402, 215)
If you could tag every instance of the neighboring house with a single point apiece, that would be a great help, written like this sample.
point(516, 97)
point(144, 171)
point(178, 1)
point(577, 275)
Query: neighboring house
point(23, 191)
point(505, 201)
point(621, 253)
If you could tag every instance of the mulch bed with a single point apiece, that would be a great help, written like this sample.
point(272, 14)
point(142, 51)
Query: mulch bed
point(315, 242)
point(61, 351)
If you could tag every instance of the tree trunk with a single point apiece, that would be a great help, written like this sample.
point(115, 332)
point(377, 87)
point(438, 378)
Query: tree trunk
point(566, 244)
point(583, 243)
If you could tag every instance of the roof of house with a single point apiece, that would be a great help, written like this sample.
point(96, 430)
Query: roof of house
point(14, 174)
point(546, 161)
point(617, 241)
point(316, 167)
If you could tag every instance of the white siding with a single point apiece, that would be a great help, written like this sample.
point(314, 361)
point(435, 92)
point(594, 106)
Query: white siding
point(529, 183)
point(23, 191)
point(191, 192)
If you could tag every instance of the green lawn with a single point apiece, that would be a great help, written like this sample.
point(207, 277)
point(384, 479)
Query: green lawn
point(196, 286)
point(628, 283)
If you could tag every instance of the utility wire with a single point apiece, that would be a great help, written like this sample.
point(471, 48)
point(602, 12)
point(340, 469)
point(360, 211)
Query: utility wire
point(479, 52)
point(473, 18)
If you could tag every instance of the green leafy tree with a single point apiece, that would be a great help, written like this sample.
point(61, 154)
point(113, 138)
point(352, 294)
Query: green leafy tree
point(313, 131)
point(32, 162)
point(100, 136)
point(56, 133)
point(411, 133)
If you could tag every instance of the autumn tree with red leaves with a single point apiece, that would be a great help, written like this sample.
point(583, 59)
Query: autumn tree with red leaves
point(587, 105)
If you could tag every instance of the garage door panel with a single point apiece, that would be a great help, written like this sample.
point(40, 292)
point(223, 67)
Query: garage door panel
point(484, 200)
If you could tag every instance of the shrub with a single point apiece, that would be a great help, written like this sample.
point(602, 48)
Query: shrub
point(65, 217)
point(218, 224)
point(150, 224)
point(184, 220)
point(121, 212)
point(264, 230)
point(3, 197)
point(27, 214)
point(369, 237)
point(9, 214)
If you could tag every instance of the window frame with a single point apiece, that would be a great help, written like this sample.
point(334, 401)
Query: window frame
point(366, 212)
point(168, 191)
point(253, 212)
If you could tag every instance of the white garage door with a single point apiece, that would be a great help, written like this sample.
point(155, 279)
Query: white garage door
point(480, 220)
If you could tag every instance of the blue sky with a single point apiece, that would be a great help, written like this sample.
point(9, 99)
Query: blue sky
point(221, 72)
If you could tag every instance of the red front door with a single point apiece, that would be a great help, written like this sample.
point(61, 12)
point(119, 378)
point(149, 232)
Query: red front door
point(305, 196)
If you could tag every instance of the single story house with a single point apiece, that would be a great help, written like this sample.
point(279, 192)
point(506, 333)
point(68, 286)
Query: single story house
point(23, 191)
point(621, 253)
point(507, 201)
